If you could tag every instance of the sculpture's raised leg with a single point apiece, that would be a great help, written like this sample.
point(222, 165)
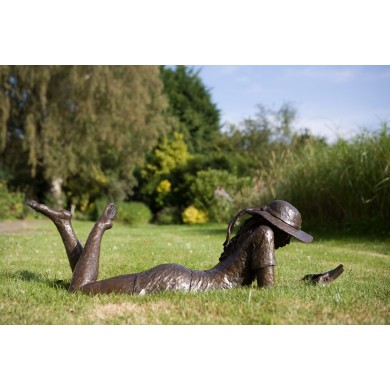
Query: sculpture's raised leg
point(62, 220)
point(87, 268)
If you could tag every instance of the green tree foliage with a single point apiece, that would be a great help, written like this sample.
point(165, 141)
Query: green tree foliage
point(190, 102)
point(79, 128)
point(251, 143)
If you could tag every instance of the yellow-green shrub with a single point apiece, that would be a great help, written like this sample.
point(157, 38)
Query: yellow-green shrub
point(192, 215)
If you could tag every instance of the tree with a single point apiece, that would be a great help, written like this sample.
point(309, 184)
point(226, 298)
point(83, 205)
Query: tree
point(79, 128)
point(251, 143)
point(190, 102)
point(194, 127)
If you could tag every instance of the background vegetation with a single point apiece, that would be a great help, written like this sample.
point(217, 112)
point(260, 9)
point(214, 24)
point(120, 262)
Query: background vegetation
point(80, 136)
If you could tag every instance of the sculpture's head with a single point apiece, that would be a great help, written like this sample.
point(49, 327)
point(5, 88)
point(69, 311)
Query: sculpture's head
point(285, 217)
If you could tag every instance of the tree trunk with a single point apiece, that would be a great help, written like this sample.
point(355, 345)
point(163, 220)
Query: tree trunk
point(56, 191)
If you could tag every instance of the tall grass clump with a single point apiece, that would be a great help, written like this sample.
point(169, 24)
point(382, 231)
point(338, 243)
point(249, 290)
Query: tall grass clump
point(338, 184)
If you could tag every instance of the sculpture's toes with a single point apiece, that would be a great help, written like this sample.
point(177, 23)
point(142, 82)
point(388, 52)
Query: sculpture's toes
point(54, 215)
point(108, 215)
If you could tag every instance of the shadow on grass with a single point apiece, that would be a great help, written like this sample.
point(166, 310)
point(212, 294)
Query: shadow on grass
point(29, 276)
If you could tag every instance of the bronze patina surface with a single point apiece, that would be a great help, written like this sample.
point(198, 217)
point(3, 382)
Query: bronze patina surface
point(248, 256)
point(326, 277)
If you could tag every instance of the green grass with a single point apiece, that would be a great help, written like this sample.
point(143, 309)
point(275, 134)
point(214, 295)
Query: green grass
point(34, 274)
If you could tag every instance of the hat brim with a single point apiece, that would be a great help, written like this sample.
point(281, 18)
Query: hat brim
point(298, 234)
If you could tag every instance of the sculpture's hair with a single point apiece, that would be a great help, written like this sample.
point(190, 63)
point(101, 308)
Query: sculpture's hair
point(244, 232)
point(230, 245)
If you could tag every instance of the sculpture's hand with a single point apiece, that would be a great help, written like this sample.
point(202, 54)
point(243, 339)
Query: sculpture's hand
point(326, 277)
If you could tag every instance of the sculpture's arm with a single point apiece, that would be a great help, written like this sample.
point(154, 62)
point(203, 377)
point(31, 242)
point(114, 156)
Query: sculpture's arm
point(263, 256)
point(265, 276)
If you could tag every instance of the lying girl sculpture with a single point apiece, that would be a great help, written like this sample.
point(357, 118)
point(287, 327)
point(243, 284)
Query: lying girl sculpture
point(248, 256)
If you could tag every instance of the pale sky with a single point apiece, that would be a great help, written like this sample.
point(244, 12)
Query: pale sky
point(331, 101)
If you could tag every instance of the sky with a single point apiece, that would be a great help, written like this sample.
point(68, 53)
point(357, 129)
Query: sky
point(331, 101)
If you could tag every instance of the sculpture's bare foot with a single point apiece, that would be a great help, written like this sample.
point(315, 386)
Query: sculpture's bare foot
point(57, 216)
point(326, 277)
point(105, 221)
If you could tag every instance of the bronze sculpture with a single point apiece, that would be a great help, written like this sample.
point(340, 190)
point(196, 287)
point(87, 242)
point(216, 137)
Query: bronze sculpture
point(249, 255)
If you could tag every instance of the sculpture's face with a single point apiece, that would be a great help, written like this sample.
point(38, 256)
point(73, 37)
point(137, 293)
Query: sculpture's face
point(281, 239)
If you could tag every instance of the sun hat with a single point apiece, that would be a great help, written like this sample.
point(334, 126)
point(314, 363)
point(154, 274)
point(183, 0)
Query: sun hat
point(279, 213)
point(286, 217)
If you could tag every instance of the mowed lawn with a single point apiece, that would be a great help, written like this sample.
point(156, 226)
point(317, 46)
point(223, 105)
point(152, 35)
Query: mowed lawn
point(34, 275)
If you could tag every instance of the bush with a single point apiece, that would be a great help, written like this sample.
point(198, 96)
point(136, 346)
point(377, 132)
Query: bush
point(168, 216)
point(133, 213)
point(216, 191)
point(192, 215)
point(96, 208)
point(11, 203)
